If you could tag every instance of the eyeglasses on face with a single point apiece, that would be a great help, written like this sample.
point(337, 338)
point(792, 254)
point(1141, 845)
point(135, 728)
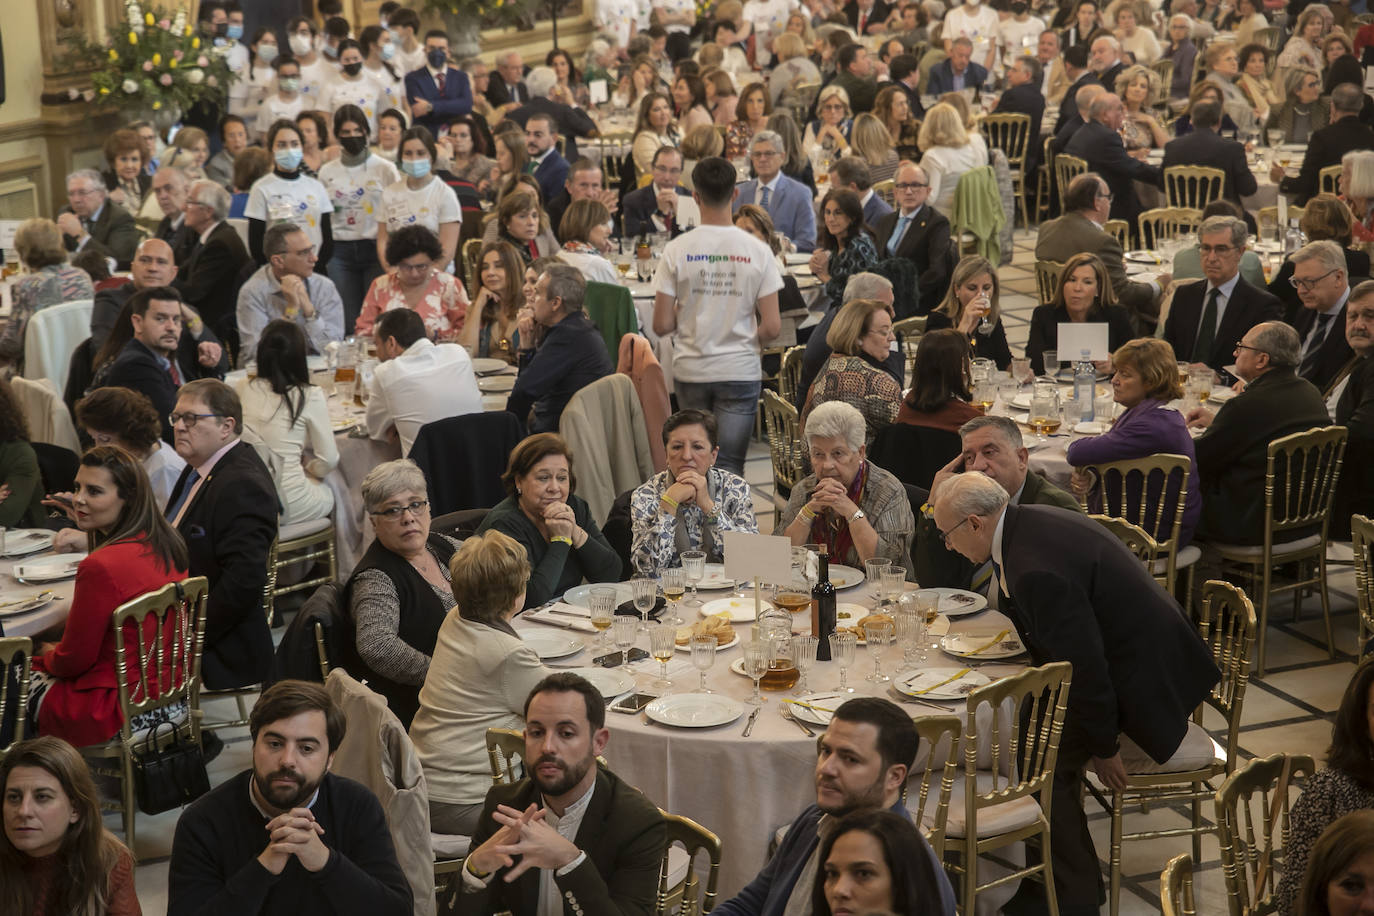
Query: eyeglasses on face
point(191, 419)
point(910, 185)
point(1242, 345)
point(1309, 285)
point(944, 535)
point(418, 508)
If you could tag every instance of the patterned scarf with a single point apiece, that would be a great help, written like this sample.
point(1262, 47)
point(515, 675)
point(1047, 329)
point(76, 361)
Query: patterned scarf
point(833, 531)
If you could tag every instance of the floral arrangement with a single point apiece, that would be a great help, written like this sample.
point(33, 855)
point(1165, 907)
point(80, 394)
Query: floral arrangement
point(485, 12)
point(153, 62)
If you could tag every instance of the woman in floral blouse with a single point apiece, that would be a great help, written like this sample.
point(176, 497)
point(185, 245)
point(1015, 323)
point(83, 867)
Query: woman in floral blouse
point(691, 505)
point(50, 280)
point(414, 282)
point(844, 245)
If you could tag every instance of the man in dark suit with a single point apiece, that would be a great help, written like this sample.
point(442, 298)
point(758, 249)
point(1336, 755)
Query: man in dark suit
point(1203, 145)
point(1076, 69)
point(437, 92)
point(867, 18)
point(90, 220)
point(1104, 58)
point(1208, 316)
point(1064, 129)
point(905, 71)
point(1024, 97)
point(546, 164)
point(610, 862)
point(170, 185)
point(1319, 273)
point(583, 183)
point(1099, 142)
point(1094, 605)
point(918, 232)
point(506, 86)
point(225, 506)
point(1233, 452)
point(1355, 411)
point(956, 72)
point(854, 74)
point(850, 173)
point(1327, 145)
point(209, 280)
point(662, 205)
point(572, 122)
point(1088, 207)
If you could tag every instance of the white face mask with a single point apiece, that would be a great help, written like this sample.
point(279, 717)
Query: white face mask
point(301, 45)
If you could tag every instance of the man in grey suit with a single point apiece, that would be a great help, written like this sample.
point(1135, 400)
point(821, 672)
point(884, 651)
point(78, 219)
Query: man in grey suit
point(787, 201)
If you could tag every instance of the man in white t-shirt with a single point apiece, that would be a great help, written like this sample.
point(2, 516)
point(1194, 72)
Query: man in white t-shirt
point(418, 381)
point(678, 17)
point(979, 24)
point(717, 288)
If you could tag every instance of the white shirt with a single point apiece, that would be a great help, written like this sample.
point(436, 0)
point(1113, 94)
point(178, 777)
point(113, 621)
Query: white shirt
point(355, 192)
point(594, 267)
point(550, 903)
point(301, 200)
point(1225, 292)
point(407, 61)
point(423, 384)
point(770, 20)
point(274, 108)
point(997, 548)
point(365, 92)
point(163, 466)
point(1019, 38)
point(392, 87)
point(315, 77)
point(982, 28)
point(676, 6)
point(431, 206)
point(717, 274)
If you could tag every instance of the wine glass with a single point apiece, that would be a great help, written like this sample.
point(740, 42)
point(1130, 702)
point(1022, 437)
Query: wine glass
point(674, 581)
point(703, 657)
point(757, 654)
point(1021, 370)
point(842, 646)
point(1051, 358)
point(694, 567)
point(601, 602)
point(803, 657)
point(873, 569)
point(646, 594)
point(662, 646)
point(625, 629)
point(928, 606)
point(879, 636)
point(893, 583)
point(985, 394)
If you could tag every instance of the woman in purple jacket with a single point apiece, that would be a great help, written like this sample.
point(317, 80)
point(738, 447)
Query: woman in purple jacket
point(1146, 380)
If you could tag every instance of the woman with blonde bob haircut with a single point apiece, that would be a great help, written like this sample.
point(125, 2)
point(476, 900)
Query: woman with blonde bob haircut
point(859, 338)
point(875, 146)
point(949, 152)
point(479, 679)
point(1084, 293)
point(64, 861)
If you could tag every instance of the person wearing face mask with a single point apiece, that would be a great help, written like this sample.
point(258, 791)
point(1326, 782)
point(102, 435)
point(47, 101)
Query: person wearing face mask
point(263, 51)
point(1019, 35)
point(336, 30)
point(379, 54)
point(315, 72)
point(419, 198)
point(437, 93)
point(980, 25)
point(355, 182)
point(404, 26)
point(352, 86)
point(284, 104)
point(287, 195)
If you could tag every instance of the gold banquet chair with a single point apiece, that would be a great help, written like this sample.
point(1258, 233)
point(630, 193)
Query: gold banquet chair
point(1120, 230)
point(1160, 470)
point(1328, 179)
point(909, 331)
point(780, 423)
point(886, 191)
point(789, 374)
point(1299, 482)
point(1193, 186)
point(16, 659)
point(1252, 824)
point(1066, 169)
point(1176, 888)
point(505, 751)
point(1042, 183)
point(679, 891)
point(937, 740)
point(302, 543)
point(1362, 542)
point(1010, 132)
point(1167, 223)
point(1227, 626)
point(1047, 280)
point(471, 249)
point(1004, 796)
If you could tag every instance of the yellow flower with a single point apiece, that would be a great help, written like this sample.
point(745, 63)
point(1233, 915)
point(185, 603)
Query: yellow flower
point(148, 18)
point(133, 38)
point(195, 42)
point(114, 55)
point(187, 32)
point(104, 91)
point(156, 106)
point(172, 64)
point(157, 59)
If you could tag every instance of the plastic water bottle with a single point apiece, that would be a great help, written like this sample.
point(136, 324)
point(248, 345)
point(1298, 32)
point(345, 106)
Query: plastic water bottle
point(1292, 239)
point(1084, 385)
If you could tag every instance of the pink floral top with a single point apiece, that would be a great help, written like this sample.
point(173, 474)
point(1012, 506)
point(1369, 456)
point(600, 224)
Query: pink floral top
point(444, 306)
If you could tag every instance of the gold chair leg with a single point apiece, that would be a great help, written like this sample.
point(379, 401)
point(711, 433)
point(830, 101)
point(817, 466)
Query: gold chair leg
point(1046, 854)
point(126, 791)
point(1197, 825)
point(1326, 606)
point(1264, 615)
point(1114, 873)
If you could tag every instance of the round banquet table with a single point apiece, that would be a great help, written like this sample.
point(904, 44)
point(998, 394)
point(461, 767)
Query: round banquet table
point(36, 621)
point(744, 789)
point(1266, 191)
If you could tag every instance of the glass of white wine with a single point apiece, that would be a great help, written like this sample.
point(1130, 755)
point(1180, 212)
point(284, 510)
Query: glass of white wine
point(662, 646)
point(757, 655)
point(703, 657)
point(601, 603)
point(842, 646)
point(674, 581)
point(985, 394)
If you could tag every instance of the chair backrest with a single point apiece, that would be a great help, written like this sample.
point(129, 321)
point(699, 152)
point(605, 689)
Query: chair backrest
point(16, 657)
point(1047, 280)
point(1120, 230)
point(1227, 626)
point(1165, 68)
point(914, 454)
point(1252, 825)
point(1167, 223)
point(51, 335)
point(463, 458)
point(612, 309)
point(57, 466)
point(937, 760)
point(460, 525)
point(695, 839)
point(1022, 758)
point(909, 331)
point(1300, 479)
point(1066, 169)
point(886, 191)
point(1009, 132)
point(1269, 37)
point(505, 751)
point(1149, 492)
point(1136, 539)
point(780, 424)
point(1176, 887)
point(1328, 178)
point(471, 249)
point(1362, 542)
point(162, 635)
point(1193, 186)
point(789, 375)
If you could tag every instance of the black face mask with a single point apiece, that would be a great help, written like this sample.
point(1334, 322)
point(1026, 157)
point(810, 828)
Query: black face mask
point(354, 68)
point(353, 145)
point(222, 29)
point(1018, 8)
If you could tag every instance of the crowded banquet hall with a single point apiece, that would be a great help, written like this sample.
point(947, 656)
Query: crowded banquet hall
point(655, 457)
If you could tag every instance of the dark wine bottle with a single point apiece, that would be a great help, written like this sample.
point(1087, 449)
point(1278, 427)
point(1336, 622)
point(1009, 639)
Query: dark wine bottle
point(823, 608)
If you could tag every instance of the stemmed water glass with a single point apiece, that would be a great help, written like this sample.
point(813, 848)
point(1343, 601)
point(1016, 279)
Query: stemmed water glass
point(662, 646)
point(873, 569)
point(694, 567)
point(601, 603)
point(1021, 370)
point(909, 625)
point(928, 606)
point(757, 654)
point(1051, 358)
point(842, 647)
point(674, 581)
point(804, 656)
point(893, 583)
point(879, 636)
point(645, 594)
point(703, 657)
point(625, 628)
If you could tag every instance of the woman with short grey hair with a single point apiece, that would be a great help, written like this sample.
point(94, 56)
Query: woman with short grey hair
point(399, 594)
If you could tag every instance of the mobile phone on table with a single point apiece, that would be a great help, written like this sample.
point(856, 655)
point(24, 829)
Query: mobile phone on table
point(633, 703)
point(613, 659)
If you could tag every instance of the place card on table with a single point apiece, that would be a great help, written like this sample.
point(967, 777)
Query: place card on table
point(1075, 337)
point(7, 229)
point(757, 556)
point(597, 92)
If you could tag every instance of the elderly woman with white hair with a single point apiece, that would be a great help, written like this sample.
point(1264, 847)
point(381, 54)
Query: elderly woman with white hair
point(1357, 190)
point(856, 509)
point(1223, 69)
point(399, 593)
point(1304, 109)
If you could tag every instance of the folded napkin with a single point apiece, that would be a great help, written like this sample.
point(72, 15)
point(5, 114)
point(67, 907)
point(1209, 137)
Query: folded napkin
point(564, 615)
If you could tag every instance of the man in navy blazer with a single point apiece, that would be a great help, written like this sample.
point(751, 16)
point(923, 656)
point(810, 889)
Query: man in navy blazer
point(1095, 606)
point(546, 164)
point(958, 71)
point(1099, 142)
point(662, 205)
point(437, 92)
point(851, 173)
point(787, 201)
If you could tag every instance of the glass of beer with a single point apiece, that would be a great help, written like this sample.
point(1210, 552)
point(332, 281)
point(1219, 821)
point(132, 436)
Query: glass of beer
point(1044, 413)
point(793, 596)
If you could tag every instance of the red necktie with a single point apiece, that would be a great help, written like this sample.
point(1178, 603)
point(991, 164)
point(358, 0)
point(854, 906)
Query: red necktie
point(172, 371)
point(863, 21)
point(439, 81)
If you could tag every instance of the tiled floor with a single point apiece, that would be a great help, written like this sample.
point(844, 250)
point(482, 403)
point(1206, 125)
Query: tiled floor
point(1290, 709)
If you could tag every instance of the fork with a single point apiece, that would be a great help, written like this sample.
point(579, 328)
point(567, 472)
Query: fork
point(787, 714)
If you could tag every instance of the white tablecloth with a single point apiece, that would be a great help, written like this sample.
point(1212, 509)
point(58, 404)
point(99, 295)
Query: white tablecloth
point(34, 622)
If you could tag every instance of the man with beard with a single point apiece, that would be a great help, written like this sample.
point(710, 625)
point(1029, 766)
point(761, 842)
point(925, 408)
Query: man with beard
point(570, 832)
point(287, 836)
point(865, 756)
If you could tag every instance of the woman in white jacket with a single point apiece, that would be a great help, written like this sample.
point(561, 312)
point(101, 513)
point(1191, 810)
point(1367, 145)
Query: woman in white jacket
point(950, 151)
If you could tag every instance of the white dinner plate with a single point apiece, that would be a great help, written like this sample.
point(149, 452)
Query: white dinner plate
point(920, 684)
point(49, 569)
point(485, 364)
point(956, 602)
point(740, 610)
point(496, 383)
point(694, 710)
point(793, 259)
point(1090, 428)
point(721, 647)
point(609, 682)
point(848, 615)
point(20, 542)
point(971, 645)
point(817, 716)
point(580, 595)
point(1142, 257)
point(31, 603)
point(845, 576)
point(714, 578)
point(551, 645)
point(343, 426)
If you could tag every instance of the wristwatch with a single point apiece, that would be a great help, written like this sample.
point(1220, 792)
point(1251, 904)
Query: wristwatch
point(858, 514)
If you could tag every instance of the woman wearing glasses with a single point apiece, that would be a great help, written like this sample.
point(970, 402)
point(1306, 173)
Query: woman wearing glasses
point(399, 594)
point(416, 280)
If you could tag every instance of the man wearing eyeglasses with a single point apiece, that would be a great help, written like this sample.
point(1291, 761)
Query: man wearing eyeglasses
point(90, 220)
point(1233, 452)
point(1353, 394)
point(1319, 276)
point(288, 287)
point(1208, 316)
point(918, 232)
point(788, 201)
point(662, 205)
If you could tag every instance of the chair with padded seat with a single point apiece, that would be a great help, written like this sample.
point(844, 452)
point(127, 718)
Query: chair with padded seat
point(16, 658)
point(937, 740)
point(679, 892)
point(612, 309)
point(300, 543)
point(459, 525)
point(1252, 808)
point(1362, 543)
point(1176, 887)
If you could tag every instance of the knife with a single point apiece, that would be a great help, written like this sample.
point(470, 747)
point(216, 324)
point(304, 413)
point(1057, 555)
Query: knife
point(749, 726)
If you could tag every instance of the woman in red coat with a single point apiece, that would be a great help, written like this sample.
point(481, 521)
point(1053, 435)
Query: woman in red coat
point(133, 551)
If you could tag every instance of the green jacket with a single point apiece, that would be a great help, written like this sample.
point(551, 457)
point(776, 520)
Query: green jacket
point(19, 471)
point(978, 209)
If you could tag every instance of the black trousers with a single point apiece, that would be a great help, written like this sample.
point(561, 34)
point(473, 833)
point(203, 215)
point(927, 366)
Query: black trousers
point(679, 45)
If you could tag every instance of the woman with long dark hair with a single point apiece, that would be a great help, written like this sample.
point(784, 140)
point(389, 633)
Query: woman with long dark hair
point(285, 414)
point(491, 328)
point(844, 244)
point(941, 383)
point(57, 856)
point(875, 862)
point(133, 550)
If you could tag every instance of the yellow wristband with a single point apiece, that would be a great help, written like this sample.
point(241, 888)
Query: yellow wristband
point(806, 513)
point(472, 870)
point(668, 501)
point(561, 539)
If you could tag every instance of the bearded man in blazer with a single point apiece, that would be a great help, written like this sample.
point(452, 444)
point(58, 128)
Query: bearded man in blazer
point(923, 239)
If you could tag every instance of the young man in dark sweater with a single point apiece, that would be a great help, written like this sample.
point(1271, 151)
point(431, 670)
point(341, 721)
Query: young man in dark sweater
point(287, 837)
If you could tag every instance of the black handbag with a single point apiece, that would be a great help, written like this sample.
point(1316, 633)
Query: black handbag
point(169, 777)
